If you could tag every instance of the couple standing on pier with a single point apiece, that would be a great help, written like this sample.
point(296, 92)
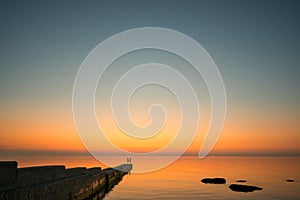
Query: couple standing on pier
point(128, 160)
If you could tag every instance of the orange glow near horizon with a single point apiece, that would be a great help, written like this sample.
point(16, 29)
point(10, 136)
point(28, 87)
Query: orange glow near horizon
point(244, 134)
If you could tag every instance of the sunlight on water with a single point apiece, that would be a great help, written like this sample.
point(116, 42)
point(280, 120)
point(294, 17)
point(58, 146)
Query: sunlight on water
point(182, 179)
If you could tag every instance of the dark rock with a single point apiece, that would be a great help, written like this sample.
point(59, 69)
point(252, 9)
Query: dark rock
point(95, 170)
point(214, 180)
point(8, 172)
point(290, 180)
point(241, 181)
point(39, 174)
point(76, 171)
point(243, 188)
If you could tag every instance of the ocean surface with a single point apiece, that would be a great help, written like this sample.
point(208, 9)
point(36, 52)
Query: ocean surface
point(182, 179)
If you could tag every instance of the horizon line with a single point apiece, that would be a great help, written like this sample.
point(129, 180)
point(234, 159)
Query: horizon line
point(28, 152)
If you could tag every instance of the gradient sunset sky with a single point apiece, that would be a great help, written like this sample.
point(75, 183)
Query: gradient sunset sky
point(255, 44)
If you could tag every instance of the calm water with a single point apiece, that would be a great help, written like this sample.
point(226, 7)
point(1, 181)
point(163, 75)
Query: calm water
point(181, 180)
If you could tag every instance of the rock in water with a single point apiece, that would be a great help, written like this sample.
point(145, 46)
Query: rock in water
point(241, 181)
point(214, 180)
point(290, 180)
point(243, 188)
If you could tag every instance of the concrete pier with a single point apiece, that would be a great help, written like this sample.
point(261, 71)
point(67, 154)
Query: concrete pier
point(57, 182)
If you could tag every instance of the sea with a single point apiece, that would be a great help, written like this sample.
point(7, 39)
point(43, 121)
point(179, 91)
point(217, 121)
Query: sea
point(182, 179)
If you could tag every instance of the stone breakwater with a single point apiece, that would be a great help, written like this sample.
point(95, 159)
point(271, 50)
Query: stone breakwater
point(57, 182)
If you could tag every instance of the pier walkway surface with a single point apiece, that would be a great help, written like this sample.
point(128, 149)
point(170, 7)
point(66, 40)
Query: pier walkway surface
point(57, 182)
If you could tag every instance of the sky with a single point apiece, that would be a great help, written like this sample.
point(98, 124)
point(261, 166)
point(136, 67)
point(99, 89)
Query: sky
point(255, 45)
